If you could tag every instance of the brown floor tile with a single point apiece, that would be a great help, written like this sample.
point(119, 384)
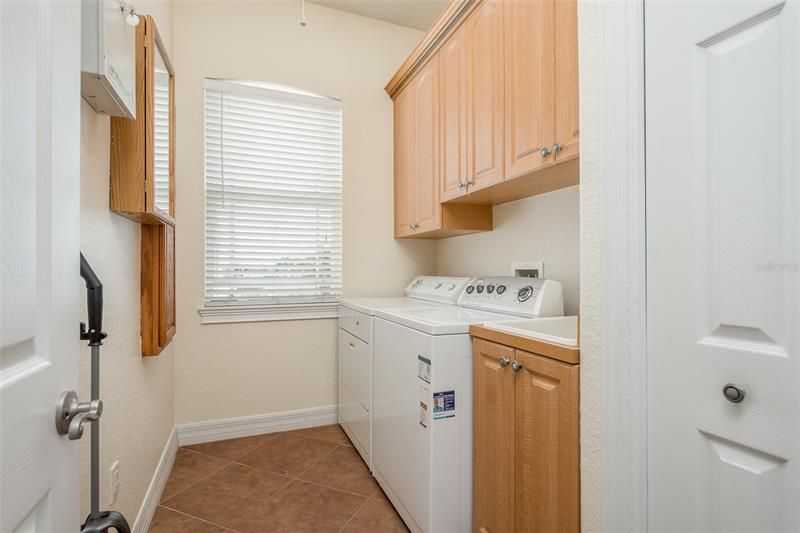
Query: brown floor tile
point(343, 469)
point(232, 449)
point(299, 508)
point(217, 497)
point(377, 516)
point(169, 521)
point(189, 468)
point(333, 433)
point(288, 454)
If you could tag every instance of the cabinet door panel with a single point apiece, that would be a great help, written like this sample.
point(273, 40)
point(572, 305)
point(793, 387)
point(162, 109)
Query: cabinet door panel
point(530, 85)
point(453, 118)
point(493, 438)
point(566, 42)
point(404, 159)
point(546, 445)
point(426, 109)
point(157, 287)
point(166, 322)
point(485, 93)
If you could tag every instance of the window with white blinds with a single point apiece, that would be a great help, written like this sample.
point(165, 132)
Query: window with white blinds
point(273, 179)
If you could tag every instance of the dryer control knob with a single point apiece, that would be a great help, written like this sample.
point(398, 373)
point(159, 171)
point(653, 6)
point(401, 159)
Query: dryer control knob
point(525, 293)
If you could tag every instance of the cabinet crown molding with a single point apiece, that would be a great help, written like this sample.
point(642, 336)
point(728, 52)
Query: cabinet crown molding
point(450, 19)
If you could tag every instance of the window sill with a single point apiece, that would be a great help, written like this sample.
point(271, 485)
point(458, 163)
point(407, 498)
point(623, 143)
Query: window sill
point(267, 313)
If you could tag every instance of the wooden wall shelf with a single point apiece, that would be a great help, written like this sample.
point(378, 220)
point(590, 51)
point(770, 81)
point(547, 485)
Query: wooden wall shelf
point(143, 182)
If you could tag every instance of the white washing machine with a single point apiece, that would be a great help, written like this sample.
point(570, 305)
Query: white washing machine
point(422, 401)
point(355, 349)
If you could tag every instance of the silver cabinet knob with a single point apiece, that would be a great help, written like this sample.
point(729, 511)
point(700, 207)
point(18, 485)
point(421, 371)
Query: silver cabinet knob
point(733, 393)
point(462, 184)
point(556, 148)
point(503, 361)
point(545, 151)
point(516, 366)
point(412, 227)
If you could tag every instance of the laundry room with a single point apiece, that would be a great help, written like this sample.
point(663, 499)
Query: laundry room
point(385, 266)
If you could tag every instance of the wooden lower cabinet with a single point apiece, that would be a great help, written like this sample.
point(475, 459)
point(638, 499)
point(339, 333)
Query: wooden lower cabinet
point(526, 442)
point(157, 287)
point(493, 445)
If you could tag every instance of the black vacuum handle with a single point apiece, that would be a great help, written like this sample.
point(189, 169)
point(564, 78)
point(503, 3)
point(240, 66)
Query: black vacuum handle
point(94, 304)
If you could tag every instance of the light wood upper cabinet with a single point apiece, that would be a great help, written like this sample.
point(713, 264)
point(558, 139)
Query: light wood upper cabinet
point(417, 207)
point(493, 463)
point(525, 441)
point(506, 74)
point(453, 114)
point(426, 136)
point(566, 50)
point(404, 163)
point(530, 85)
point(485, 97)
point(143, 150)
point(417, 132)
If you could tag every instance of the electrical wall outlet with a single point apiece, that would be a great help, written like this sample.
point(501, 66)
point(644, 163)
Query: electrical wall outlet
point(528, 270)
point(113, 477)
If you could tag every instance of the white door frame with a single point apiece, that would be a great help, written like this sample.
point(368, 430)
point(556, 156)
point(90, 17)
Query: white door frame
point(620, 104)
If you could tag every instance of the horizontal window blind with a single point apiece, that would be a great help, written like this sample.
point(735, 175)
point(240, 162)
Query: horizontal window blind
point(273, 179)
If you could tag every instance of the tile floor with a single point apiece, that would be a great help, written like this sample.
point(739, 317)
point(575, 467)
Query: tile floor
point(309, 480)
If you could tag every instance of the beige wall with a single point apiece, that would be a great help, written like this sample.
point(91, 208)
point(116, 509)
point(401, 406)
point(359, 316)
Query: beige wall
point(235, 370)
point(137, 392)
point(590, 270)
point(539, 229)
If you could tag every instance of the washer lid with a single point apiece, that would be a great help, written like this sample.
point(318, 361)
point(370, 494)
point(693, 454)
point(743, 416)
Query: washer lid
point(442, 320)
point(368, 306)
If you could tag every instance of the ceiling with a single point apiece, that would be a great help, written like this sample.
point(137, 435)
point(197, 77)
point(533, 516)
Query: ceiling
point(418, 14)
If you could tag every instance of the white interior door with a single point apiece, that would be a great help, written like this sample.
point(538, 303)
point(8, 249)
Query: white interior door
point(39, 258)
point(723, 234)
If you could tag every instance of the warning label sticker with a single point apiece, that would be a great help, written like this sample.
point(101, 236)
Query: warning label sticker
point(424, 399)
point(444, 404)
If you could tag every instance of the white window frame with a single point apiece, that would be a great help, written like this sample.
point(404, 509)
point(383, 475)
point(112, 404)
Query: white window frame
point(223, 313)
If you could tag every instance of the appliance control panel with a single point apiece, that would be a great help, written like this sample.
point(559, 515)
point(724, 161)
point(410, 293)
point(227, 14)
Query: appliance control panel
point(442, 289)
point(528, 297)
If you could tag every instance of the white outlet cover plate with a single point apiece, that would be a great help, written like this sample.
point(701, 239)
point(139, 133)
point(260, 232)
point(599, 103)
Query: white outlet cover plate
point(539, 265)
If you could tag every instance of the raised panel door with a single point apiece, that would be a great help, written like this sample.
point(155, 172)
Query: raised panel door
point(723, 278)
point(485, 94)
point(453, 117)
point(566, 76)
point(530, 85)
point(40, 308)
point(404, 162)
point(426, 135)
point(547, 492)
point(493, 438)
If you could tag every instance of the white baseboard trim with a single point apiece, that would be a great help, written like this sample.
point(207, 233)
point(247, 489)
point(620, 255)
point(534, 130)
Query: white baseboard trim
point(160, 477)
point(245, 426)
